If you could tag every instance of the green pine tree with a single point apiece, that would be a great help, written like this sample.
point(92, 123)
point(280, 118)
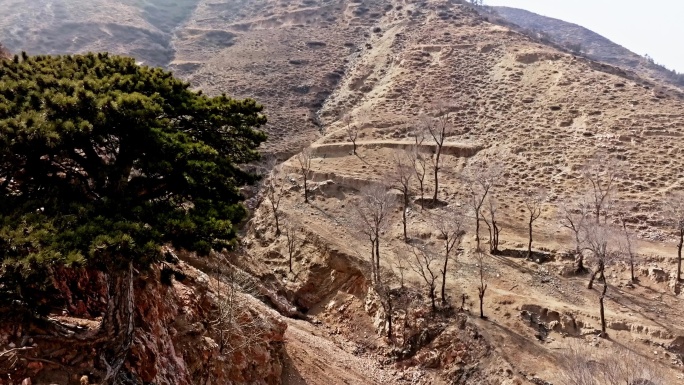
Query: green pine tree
point(101, 162)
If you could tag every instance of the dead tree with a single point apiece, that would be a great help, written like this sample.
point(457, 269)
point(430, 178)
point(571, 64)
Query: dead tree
point(419, 163)
point(400, 180)
point(480, 257)
point(489, 217)
point(426, 264)
point(600, 175)
point(601, 241)
point(236, 327)
point(450, 228)
point(304, 160)
point(479, 180)
point(292, 241)
point(437, 129)
point(627, 244)
point(533, 200)
point(587, 365)
point(351, 130)
point(674, 215)
point(383, 287)
point(574, 216)
point(373, 213)
point(274, 193)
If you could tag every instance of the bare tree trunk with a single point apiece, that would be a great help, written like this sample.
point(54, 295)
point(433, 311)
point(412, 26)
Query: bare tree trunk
point(444, 273)
point(306, 191)
point(439, 152)
point(432, 298)
point(377, 254)
point(118, 322)
point(403, 216)
point(591, 280)
point(679, 254)
point(603, 315)
point(389, 316)
point(529, 245)
point(477, 229)
point(374, 275)
point(481, 295)
point(580, 263)
point(277, 224)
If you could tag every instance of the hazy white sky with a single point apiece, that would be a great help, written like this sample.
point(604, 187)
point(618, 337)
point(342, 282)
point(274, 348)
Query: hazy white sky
point(653, 27)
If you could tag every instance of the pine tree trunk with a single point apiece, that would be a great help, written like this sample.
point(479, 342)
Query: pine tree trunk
point(118, 323)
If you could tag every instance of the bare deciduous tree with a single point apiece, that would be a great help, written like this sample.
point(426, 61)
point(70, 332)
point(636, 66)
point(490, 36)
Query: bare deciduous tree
point(674, 214)
point(573, 216)
point(419, 163)
point(585, 365)
point(489, 216)
point(292, 241)
point(373, 213)
point(383, 287)
point(351, 130)
point(480, 257)
point(437, 129)
point(400, 180)
point(627, 240)
point(479, 180)
point(236, 327)
point(426, 264)
point(533, 200)
point(450, 228)
point(600, 175)
point(602, 242)
point(304, 160)
point(274, 193)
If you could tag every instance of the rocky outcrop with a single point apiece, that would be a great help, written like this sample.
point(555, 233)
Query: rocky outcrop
point(190, 328)
point(178, 342)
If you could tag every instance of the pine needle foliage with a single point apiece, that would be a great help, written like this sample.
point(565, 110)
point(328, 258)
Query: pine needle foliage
point(103, 160)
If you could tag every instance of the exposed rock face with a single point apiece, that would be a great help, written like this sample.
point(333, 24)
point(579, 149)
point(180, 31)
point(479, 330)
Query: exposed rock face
point(178, 338)
point(176, 343)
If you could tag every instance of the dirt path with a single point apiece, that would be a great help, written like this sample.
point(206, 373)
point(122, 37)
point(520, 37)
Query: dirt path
point(314, 359)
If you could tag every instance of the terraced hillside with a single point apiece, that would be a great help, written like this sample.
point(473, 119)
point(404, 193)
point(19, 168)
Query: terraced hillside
point(537, 113)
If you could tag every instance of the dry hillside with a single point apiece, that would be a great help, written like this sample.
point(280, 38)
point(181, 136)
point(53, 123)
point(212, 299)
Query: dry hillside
point(587, 42)
point(538, 113)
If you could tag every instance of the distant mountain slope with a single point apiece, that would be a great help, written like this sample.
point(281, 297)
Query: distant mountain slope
point(140, 28)
point(589, 43)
